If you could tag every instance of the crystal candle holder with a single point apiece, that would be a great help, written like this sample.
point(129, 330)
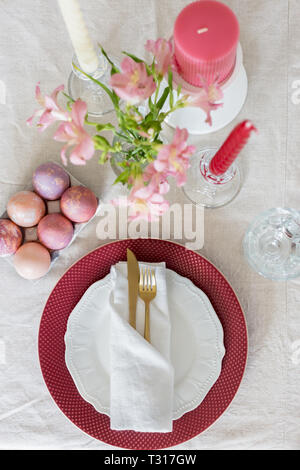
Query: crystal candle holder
point(272, 244)
point(81, 86)
point(206, 189)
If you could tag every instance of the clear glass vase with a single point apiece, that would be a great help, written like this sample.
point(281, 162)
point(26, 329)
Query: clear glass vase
point(119, 157)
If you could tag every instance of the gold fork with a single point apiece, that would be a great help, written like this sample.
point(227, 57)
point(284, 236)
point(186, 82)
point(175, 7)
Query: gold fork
point(147, 291)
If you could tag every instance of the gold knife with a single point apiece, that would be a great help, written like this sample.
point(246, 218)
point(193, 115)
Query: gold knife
point(133, 276)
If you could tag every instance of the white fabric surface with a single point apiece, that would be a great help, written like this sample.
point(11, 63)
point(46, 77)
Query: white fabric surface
point(34, 46)
point(142, 376)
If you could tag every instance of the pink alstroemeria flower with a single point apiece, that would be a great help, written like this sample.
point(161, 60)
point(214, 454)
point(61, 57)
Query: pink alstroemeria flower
point(50, 111)
point(73, 133)
point(146, 202)
point(146, 199)
point(206, 99)
point(174, 159)
point(163, 53)
point(133, 84)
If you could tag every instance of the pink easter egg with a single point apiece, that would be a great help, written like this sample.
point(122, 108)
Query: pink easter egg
point(26, 208)
point(10, 237)
point(32, 260)
point(50, 181)
point(55, 231)
point(79, 204)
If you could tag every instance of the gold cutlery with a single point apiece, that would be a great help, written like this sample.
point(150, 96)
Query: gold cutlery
point(133, 275)
point(147, 291)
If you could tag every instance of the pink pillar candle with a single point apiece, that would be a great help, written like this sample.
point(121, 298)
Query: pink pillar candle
point(230, 149)
point(206, 35)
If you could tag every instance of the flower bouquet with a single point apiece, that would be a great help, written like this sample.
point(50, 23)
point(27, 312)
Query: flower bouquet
point(139, 93)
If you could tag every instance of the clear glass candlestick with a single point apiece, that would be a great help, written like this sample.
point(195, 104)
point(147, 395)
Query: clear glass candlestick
point(206, 189)
point(272, 244)
point(80, 86)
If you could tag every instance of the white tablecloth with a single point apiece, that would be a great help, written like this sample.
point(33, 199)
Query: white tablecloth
point(34, 46)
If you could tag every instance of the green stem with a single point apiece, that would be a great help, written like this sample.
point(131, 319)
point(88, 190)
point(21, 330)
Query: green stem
point(157, 90)
point(114, 98)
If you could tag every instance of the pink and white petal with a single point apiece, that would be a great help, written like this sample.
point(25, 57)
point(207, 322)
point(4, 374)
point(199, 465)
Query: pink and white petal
point(86, 147)
point(164, 187)
point(126, 93)
point(56, 91)
point(63, 155)
point(64, 132)
point(157, 198)
point(78, 113)
point(180, 178)
point(38, 95)
point(119, 80)
point(160, 165)
point(46, 118)
point(60, 115)
point(76, 158)
point(50, 103)
point(128, 65)
point(150, 46)
point(36, 113)
point(180, 136)
point(144, 192)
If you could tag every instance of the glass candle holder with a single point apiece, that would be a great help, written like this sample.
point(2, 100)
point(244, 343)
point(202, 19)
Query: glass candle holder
point(206, 189)
point(272, 244)
point(80, 86)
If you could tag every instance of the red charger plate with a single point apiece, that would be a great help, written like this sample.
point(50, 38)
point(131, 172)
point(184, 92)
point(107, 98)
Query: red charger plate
point(95, 266)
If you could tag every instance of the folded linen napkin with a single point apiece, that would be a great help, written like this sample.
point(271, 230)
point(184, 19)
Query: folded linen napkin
point(142, 376)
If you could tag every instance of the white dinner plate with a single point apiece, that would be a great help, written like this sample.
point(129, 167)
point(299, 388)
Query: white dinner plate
point(197, 346)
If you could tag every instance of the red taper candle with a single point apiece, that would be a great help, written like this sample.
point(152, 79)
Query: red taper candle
point(230, 149)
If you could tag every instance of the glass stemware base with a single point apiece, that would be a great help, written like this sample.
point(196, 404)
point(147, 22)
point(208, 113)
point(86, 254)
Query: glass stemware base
point(208, 190)
point(272, 244)
point(80, 86)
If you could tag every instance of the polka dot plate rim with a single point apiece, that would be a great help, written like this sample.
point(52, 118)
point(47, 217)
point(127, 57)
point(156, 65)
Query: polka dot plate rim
point(96, 265)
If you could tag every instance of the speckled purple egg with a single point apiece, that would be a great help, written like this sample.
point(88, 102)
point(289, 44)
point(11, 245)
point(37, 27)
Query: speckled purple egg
point(79, 204)
point(55, 231)
point(10, 237)
point(50, 181)
point(26, 208)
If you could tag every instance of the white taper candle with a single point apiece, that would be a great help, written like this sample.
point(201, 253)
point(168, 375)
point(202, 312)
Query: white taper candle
point(79, 35)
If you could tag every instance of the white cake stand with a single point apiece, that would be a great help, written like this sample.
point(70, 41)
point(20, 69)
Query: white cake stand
point(234, 91)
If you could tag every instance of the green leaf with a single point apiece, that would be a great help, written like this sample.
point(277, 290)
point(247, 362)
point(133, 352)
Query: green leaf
point(163, 98)
point(114, 98)
point(138, 61)
point(170, 82)
point(68, 97)
point(133, 57)
point(114, 68)
point(170, 79)
point(124, 137)
point(123, 177)
point(151, 105)
point(149, 117)
point(155, 125)
point(69, 102)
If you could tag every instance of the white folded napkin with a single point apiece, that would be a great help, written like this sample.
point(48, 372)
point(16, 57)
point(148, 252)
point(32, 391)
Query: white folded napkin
point(142, 376)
